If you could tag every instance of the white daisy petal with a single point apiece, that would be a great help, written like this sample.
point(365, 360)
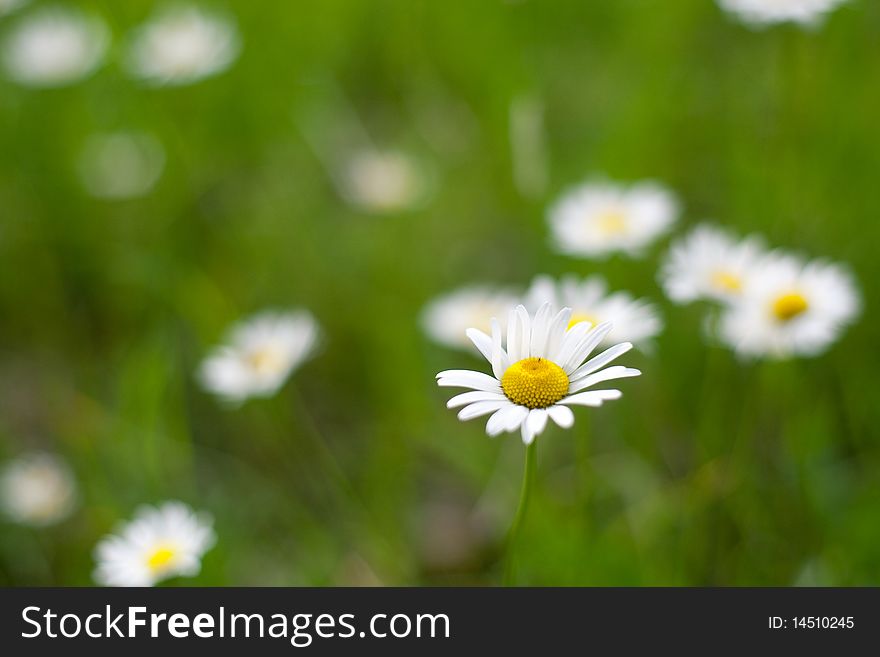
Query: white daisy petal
point(474, 396)
point(591, 397)
point(608, 374)
point(586, 347)
point(525, 331)
point(481, 408)
point(537, 420)
point(540, 329)
point(468, 379)
point(561, 415)
point(514, 340)
point(572, 339)
point(481, 341)
point(507, 418)
point(556, 333)
point(499, 358)
point(600, 361)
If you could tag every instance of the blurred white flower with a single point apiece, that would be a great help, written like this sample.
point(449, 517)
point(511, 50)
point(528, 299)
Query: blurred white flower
point(259, 355)
point(448, 317)
point(7, 6)
point(791, 308)
point(709, 263)
point(384, 181)
point(37, 489)
point(181, 45)
point(160, 542)
point(121, 165)
point(538, 374)
point(596, 219)
point(633, 320)
point(55, 46)
point(766, 12)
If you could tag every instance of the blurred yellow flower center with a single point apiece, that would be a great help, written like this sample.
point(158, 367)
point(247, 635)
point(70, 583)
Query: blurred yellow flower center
point(577, 318)
point(534, 383)
point(612, 222)
point(265, 360)
point(726, 281)
point(788, 306)
point(160, 558)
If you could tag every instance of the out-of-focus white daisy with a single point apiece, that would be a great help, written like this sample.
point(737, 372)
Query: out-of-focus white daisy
point(766, 12)
point(599, 218)
point(633, 320)
point(7, 6)
point(121, 165)
point(709, 263)
point(37, 489)
point(384, 181)
point(447, 318)
point(55, 46)
point(158, 543)
point(181, 45)
point(259, 355)
point(538, 374)
point(793, 308)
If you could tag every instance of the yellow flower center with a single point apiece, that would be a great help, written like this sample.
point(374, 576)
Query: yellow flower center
point(534, 383)
point(161, 558)
point(727, 282)
point(265, 360)
point(577, 318)
point(612, 222)
point(788, 306)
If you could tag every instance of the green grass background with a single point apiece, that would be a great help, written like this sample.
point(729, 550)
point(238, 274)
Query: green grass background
point(707, 472)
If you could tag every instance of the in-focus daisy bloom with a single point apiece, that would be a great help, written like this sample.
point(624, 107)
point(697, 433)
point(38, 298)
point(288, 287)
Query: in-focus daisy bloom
point(759, 13)
point(182, 45)
point(259, 354)
point(54, 46)
point(447, 318)
point(794, 308)
point(384, 181)
point(121, 165)
point(537, 374)
point(633, 320)
point(160, 542)
point(600, 218)
point(709, 263)
point(37, 489)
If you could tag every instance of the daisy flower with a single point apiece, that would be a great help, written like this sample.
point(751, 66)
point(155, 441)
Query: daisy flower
point(633, 320)
point(538, 374)
point(384, 181)
point(259, 355)
point(182, 45)
point(709, 263)
point(447, 318)
point(794, 308)
point(37, 489)
point(55, 46)
point(599, 218)
point(121, 165)
point(160, 542)
point(759, 13)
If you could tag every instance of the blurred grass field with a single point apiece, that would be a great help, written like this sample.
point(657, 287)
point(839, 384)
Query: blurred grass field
point(708, 472)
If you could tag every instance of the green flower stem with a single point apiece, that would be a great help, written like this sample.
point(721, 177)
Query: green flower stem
point(518, 520)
